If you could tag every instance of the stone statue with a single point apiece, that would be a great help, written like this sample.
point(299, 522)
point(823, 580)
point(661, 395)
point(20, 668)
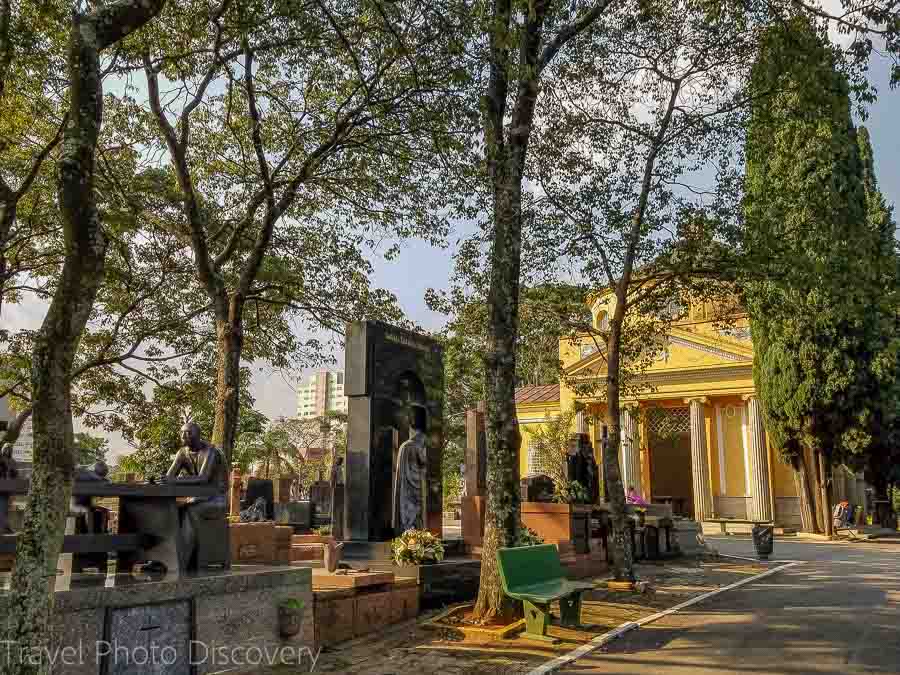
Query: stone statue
point(83, 506)
point(337, 498)
point(256, 512)
point(202, 464)
point(7, 470)
point(295, 490)
point(409, 483)
point(582, 467)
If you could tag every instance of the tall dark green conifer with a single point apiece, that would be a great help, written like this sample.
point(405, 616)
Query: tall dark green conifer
point(807, 233)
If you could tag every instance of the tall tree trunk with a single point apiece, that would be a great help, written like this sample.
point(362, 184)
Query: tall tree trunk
point(40, 541)
point(804, 492)
point(823, 467)
point(622, 554)
point(230, 334)
point(502, 511)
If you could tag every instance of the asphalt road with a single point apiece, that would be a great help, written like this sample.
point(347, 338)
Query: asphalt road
point(838, 612)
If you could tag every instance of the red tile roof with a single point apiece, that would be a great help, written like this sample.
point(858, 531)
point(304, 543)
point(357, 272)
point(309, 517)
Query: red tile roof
point(538, 393)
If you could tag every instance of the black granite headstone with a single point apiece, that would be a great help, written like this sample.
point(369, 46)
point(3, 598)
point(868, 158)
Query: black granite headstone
point(261, 487)
point(537, 488)
point(389, 373)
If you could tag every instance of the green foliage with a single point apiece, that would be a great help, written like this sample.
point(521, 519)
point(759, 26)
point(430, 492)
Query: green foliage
point(91, 449)
point(323, 531)
point(814, 240)
point(550, 445)
point(292, 604)
point(154, 426)
point(415, 547)
point(571, 492)
point(546, 312)
point(528, 537)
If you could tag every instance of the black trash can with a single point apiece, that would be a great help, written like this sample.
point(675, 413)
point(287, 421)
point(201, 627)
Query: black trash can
point(763, 540)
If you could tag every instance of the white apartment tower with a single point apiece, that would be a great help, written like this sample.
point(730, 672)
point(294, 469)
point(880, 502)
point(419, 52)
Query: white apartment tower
point(321, 392)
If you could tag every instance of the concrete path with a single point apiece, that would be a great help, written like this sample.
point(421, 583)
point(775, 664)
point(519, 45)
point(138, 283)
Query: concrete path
point(837, 613)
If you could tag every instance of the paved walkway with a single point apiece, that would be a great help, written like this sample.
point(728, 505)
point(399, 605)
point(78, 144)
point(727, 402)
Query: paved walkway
point(837, 613)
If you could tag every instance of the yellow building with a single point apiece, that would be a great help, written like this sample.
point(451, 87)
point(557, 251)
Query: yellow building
point(693, 435)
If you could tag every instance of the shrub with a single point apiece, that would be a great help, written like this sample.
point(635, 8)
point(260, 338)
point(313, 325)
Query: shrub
point(415, 547)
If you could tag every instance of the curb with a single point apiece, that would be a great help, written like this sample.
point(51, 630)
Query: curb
point(608, 637)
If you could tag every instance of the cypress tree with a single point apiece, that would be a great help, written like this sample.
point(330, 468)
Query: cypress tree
point(808, 248)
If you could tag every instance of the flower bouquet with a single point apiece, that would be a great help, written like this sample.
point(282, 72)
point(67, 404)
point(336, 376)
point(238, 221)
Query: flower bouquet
point(416, 547)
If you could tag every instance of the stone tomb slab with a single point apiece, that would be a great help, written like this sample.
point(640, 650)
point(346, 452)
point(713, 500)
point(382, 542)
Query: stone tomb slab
point(322, 578)
point(149, 639)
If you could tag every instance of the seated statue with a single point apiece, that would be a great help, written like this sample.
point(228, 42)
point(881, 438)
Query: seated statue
point(202, 464)
point(7, 470)
point(83, 506)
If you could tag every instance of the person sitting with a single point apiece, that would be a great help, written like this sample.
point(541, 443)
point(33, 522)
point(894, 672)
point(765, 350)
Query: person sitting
point(632, 497)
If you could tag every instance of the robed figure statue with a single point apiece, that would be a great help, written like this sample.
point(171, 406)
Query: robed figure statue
point(409, 484)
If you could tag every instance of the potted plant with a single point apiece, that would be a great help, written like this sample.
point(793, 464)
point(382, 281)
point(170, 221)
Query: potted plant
point(290, 617)
point(416, 547)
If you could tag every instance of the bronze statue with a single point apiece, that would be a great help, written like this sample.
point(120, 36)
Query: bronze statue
point(202, 464)
point(409, 483)
point(7, 470)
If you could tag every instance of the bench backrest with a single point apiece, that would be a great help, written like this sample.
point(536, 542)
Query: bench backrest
point(527, 565)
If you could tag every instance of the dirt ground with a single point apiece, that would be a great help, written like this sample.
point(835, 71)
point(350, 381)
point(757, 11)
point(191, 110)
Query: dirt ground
point(412, 649)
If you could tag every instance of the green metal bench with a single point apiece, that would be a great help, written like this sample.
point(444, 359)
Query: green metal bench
point(534, 575)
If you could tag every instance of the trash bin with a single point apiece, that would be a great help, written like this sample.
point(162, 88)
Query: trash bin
point(763, 540)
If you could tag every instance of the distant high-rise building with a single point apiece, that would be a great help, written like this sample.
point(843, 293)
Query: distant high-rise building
point(321, 392)
point(23, 445)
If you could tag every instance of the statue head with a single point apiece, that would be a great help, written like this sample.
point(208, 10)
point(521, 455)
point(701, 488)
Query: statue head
point(190, 435)
point(6, 451)
point(101, 469)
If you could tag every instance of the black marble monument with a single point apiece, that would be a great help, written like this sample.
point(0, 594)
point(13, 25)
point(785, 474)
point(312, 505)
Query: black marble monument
point(393, 377)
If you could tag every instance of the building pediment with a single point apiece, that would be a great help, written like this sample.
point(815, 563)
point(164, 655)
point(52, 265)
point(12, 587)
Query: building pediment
point(680, 349)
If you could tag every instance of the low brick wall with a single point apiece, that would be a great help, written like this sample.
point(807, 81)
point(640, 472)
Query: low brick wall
point(252, 542)
point(343, 614)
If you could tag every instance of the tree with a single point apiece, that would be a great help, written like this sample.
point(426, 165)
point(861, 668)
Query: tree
point(154, 427)
point(270, 453)
point(550, 444)
point(39, 543)
point(91, 449)
point(546, 312)
point(806, 227)
point(522, 39)
point(314, 141)
point(634, 118)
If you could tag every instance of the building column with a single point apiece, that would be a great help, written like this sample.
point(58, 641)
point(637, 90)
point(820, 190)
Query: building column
point(700, 461)
point(630, 455)
point(760, 490)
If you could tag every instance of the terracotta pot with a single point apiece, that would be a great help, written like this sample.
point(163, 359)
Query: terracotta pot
point(290, 621)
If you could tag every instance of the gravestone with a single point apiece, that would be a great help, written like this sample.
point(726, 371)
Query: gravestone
point(392, 375)
point(537, 488)
point(476, 453)
point(261, 487)
point(149, 639)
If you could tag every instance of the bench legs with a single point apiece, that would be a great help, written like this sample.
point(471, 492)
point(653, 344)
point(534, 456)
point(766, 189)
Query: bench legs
point(570, 611)
point(537, 618)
